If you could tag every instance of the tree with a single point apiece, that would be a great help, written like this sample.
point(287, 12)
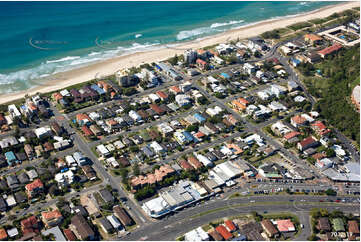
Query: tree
point(136, 170)
point(192, 128)
point(331, 192)
point(330, 152)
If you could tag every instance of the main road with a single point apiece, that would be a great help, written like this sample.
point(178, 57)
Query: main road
point(183, 221)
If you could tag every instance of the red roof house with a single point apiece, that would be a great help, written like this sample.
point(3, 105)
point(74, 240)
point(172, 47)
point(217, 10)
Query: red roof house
point(224, 232)
point(30, 225)
point(308, 142)
point(230, 225)
point(34, 188)
point(330, 50)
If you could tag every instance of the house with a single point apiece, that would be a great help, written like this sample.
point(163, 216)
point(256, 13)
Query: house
point(308, 142)
point(194, 162)
point(185, 165)
point(224, 232)
point(29, 151)
point(197, 234)
point(292, 86)
point(157, 109)
point(12, 181)
point(338, 225)
point(114, 222)
point(123, 161)
point(11, 158)
point(3, 206)
point(269, 228)
point(3, 234)
point(285, 225)
point(43, 132)
point(69, 234)
point(56, 232)
point(80, 158)
point(202, 64)
point(30, 225)
point(330, 50)
point(123, 216)
point(105, 225)
point(230, 225)
point(323, 224)
point(51, 218)
point(102, 150)
point(162, 95)
point(291, 137)
point(83, 119)
point(23, 178)
point(81, 228)
point(34, 188)
point(13, 232)
point(313, 38)
point(353, 228)
point(10, 200)
point(106, 196)
point(298, 121)
point(215, 235)
point(320, 128)
point(20, 197)
point(89, 172)
point(56, 128)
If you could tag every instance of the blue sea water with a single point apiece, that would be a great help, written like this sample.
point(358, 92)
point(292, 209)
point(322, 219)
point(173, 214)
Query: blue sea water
point(42, 38)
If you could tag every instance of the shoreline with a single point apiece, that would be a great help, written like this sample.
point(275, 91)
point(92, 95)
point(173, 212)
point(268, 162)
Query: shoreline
point(108, 67)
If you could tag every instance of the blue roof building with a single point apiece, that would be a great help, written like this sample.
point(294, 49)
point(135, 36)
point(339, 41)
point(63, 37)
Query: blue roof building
point(10, 158)
point(295, 62)
point(199, 117)
point(189, 137)
point(97, 89)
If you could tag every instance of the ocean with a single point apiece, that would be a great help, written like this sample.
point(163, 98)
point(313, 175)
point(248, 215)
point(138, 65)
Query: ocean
point(43, 38)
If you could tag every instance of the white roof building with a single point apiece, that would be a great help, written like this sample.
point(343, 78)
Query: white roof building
point(114, 221)
point(10, 200)
point(156, 207)
point(276, 106)
point(42, 132)
point(65, 178)
point(12, 232)
point(118, 144)
point(182, 99)
point(213, 111)
point(32, 174)
point(308, 117)
point(179, 136)
point(112, 162)
point(204, 160)
point(65, 92)
point(70, 160)
point(102, 150)
point(14, 111)
point(135, 116)
point(299, 99)
point(94, 116)
point(165, 129)
point(197, 234)
point(156, 147)
point(154, 97)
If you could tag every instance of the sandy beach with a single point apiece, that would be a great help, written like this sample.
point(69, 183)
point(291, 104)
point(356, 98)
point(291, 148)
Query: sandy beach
point(108, 67)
